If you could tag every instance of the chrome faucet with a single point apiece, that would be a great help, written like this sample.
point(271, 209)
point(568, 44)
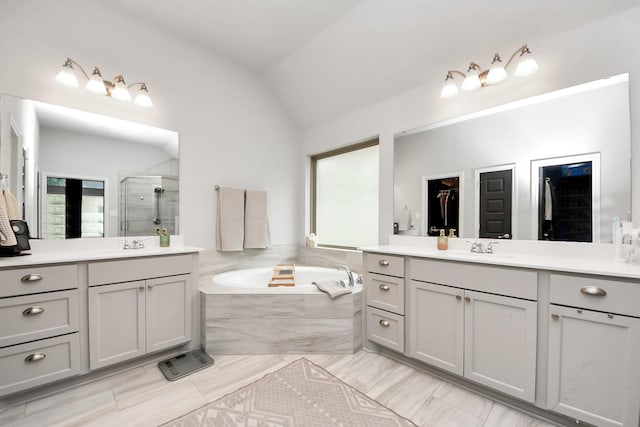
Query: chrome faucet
point(349, 274)
point(480, 248)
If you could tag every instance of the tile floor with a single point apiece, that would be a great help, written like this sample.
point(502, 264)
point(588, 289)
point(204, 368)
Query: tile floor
point(142, 397)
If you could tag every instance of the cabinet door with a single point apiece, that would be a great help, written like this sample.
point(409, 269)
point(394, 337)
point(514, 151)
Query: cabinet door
point(168, 312)
point(593, 366)
point(116, 323)
point(500, 343)
point(437, 325)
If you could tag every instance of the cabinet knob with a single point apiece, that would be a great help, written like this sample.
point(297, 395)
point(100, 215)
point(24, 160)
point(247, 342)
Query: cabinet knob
point(31, 278)
point(34, 357)
point(149, 286)
point(555, 316)
point(610, 316)
point(32, 311)
point(385, 323)
point(141, 288)
point(383, 263)
point(467, 299)
point(593, 290)
point(384, 287)
point(459, 298)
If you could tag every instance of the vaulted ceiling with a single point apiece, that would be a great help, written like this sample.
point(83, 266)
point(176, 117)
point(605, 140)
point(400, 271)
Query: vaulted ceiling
point(326, 58)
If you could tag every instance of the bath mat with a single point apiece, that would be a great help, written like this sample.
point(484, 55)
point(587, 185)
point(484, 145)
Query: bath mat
point(300, 394)
point(184, 364)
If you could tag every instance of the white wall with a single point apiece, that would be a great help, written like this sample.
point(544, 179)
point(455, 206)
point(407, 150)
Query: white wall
point(579, 55)
point(232, 129)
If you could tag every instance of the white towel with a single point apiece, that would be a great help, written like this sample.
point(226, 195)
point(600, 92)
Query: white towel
point(230, 222)
point(256, 222)
point(5, 226)
point(332, 288)
point(12, 205)
point(548, 203)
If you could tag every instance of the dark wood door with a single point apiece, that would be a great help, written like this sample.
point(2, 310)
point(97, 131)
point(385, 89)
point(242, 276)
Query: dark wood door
point(495, 204)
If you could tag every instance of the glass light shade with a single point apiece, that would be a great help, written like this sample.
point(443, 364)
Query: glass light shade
point(527, 65)
point(449, 89)
point(143, 100)
point(120, 92)
point(96, 85)
point(67, 77)
point(472, 81)
point(496, 74)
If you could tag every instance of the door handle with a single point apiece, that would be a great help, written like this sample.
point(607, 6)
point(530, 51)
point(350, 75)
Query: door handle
point(32, 311)
point(31, 278)
point(593, 290)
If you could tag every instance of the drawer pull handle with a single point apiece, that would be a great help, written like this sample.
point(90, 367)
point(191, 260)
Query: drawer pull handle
point(385, 323)
point(34, 357)
point(593, 290)
point(32, 311)
point(383, 263)
point(458, 297)
point(384, 287)
point(31, 278)
point(555, 316)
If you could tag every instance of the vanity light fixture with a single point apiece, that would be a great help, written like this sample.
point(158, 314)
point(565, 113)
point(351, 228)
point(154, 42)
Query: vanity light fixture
point(476, 77)
point(116, 88)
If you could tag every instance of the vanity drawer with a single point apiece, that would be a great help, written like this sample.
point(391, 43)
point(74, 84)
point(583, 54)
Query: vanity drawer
point(611, 296)
point(386, 293)
point(33, 317)
point(129, 270)
point(390, 265)
point(23, 366)
point(31, 280)
point(386, 329)
point(507, 281)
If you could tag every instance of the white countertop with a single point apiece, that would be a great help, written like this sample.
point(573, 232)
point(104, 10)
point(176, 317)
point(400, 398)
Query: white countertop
point(554, 262)
point(78, 250)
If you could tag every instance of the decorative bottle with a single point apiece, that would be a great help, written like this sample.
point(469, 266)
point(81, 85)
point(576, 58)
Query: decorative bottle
point(443, 241)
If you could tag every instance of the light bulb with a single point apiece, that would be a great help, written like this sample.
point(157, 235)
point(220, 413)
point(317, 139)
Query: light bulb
point(120, 91)
point(497, 73)
point(95, 83)
point(67, 75)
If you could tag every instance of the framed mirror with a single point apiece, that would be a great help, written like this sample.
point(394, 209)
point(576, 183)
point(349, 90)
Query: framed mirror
point(78, 175)
point(592, 119)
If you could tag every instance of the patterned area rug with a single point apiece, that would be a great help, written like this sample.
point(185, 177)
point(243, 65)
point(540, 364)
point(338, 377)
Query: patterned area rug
point(301, 394)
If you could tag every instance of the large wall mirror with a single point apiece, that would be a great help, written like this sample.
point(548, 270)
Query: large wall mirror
point(78, 175)
point(552, 167)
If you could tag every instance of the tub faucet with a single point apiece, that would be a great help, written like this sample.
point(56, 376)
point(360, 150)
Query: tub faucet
point(349, 274)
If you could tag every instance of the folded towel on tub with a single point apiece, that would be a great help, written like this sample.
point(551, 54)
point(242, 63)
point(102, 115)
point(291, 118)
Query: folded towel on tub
point(332, 288)
point(256, 223)
point(230, 223)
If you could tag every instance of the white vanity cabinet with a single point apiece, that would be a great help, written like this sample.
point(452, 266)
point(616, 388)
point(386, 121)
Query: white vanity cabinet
point(384, 290)
point(39, 324)
point(594, 350)
point(488, 337)
point(138, 307)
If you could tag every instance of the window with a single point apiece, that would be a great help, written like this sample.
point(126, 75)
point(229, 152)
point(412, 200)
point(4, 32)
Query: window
point(75, 208)
point(344, 211)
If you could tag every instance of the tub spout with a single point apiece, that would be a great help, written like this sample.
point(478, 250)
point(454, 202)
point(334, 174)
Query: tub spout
point(349, 274)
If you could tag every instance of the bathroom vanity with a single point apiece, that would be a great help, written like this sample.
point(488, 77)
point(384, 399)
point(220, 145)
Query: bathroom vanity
point(559, 334)
point(65, 313)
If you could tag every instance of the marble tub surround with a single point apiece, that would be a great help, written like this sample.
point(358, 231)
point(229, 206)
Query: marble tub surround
point(281, 323)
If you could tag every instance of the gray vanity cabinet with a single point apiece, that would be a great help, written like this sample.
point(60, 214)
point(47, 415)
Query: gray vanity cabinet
point(489, 338)
point(137, 317)
point(594, 349)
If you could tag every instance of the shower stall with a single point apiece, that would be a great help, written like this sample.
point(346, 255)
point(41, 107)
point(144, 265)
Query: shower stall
point(147, 203)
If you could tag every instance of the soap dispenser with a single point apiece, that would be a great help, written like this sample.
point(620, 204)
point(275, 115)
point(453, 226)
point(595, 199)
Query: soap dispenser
point(443, 241)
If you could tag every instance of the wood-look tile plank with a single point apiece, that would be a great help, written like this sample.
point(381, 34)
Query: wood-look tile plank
point(502, 416)
point(438, 413)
